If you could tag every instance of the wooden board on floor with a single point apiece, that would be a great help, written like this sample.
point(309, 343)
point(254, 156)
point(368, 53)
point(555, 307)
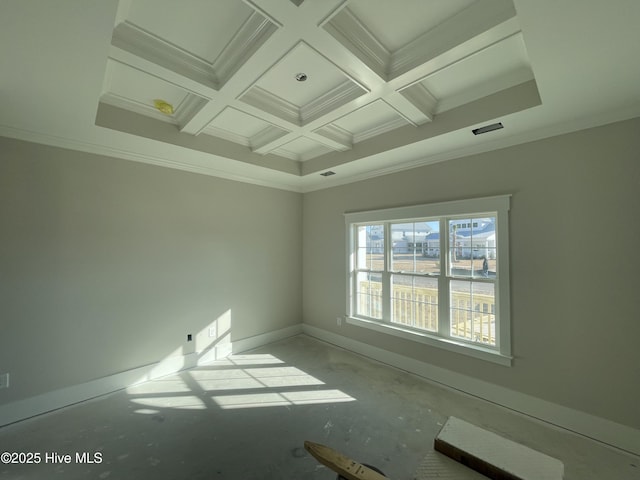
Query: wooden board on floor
point(341, 464)
point(494, 456)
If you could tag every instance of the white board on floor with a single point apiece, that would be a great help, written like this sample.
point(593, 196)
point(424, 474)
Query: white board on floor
point(499, 457)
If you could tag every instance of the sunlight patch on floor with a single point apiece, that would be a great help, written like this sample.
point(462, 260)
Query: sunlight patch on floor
point(238, 381)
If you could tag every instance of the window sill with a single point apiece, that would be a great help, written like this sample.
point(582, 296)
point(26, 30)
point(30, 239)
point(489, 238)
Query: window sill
point(446, 344)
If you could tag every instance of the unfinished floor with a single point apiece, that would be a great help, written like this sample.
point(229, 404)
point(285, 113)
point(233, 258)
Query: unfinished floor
point(247, 417)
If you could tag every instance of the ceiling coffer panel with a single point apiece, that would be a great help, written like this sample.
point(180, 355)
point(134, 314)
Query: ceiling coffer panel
point(392, 41)
point(131, 89)
point(200, 28)
point(302, 86)
point(203, 41)
point(242, 128)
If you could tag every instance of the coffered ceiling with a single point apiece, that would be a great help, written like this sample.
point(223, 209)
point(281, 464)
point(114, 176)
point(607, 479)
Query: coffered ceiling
point(279, 92)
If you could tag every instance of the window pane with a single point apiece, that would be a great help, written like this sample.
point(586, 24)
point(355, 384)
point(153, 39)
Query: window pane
point(426, 306)
point(473, 311)
point(428, 258)
point(402, 299)
point(416, 247)
point(370, 247)
point(472, 247)
point(369, 294)
point(414, 301)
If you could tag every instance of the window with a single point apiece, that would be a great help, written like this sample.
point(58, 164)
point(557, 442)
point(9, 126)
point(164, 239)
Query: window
point(437, 274)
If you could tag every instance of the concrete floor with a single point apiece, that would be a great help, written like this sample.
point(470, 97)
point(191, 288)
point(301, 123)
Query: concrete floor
point(247, 417)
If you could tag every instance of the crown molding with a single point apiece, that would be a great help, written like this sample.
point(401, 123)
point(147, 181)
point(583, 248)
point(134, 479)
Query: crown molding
point(191, 105)
point(119, 101)
point(334, 98)
point(421, 98)
point(336, 135)
point(379, 129)
point(253, 33)
point(283, 152)
point(110, 151)
point(226, 135)
point(347, 29)
point(478, 18)
point(265, 137)
point(137, 41)
point(626, 113)
point(188, 106)
point(272, 104)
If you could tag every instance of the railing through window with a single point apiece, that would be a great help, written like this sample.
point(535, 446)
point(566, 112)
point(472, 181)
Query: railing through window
point(472, 320)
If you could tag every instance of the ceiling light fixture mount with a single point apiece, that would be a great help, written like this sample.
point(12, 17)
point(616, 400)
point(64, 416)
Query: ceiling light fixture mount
point(301, 77)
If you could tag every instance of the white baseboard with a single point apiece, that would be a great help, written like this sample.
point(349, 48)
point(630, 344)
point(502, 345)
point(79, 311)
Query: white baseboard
point(597, 428)
point(54, 400)
point(266, 338)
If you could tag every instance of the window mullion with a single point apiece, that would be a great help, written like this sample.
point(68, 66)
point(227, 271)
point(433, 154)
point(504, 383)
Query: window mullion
point(386, 275)
point(443, 282)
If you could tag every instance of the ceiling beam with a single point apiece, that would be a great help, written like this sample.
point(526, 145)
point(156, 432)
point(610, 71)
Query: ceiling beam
point(416, 110)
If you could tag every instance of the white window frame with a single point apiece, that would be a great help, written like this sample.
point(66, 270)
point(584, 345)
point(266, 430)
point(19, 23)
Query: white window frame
point(497, 206)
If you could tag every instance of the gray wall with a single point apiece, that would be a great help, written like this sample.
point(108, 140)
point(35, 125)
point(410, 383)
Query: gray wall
point(107, 265)
point(575, 263)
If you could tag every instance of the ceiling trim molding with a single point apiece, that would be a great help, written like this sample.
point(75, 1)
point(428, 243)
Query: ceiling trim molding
point(137, 41)
point(334, 98)
point(348, 30)
point(327, 18)
point(253, 33)
point(421, 98)
point(266, 137)
point(627, 112)
point(263, 12)
point(273, 104)
point(165, 74)
point(227, 135)
point(340, 137)
point(379, 129)
point(286, 153)
point(416, 113)
point(189, 107)
point(119, 101)
point(108, 150)
point(515, 140)
point(471, 22)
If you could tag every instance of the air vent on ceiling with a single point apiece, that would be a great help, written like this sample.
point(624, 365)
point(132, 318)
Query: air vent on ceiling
point(487, 128)
point(328, 173)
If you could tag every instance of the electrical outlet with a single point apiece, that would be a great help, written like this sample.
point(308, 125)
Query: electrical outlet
point(339, 320)
point(4, 380)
